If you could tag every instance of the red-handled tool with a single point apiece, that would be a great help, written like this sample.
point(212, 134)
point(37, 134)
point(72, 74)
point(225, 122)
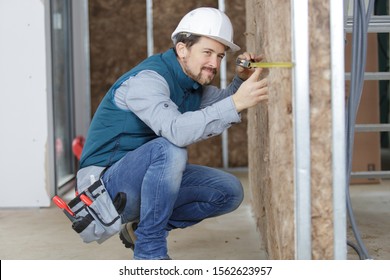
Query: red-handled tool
point(85, 199)
point(62, 204)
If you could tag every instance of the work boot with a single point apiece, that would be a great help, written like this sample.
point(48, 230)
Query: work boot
point(127, 234)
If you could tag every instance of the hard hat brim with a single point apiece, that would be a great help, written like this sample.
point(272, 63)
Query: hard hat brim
point(231, 46)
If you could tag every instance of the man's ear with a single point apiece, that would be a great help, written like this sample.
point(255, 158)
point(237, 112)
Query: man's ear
point(181, 50)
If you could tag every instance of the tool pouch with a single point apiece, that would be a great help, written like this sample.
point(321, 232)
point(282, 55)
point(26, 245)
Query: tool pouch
point(100, 219)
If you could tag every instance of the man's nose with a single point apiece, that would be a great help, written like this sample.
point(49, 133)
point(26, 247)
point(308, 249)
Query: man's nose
point(214, 61)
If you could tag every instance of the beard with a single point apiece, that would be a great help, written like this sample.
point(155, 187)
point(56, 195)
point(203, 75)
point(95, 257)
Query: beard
point(202, 78)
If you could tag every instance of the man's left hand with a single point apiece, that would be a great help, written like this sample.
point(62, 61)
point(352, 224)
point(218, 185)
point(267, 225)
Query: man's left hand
point(242, 72)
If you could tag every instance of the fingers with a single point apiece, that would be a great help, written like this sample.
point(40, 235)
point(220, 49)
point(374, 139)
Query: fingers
point(260, 94)
point(259, 90)
point(251, 56)
point(248, 56)
point(255, 75)
point(251, 92)
point(245, 73)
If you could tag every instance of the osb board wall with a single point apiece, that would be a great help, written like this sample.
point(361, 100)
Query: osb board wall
point(270, 129)
point(118, 42)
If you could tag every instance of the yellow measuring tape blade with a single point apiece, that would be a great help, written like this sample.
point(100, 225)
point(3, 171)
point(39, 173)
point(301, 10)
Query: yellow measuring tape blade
point(271, 64)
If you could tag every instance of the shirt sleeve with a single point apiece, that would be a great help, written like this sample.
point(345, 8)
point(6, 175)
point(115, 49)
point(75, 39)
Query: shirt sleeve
point(152, 104)
point(212, 94)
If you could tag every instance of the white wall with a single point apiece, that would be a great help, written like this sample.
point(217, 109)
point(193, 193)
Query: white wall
point(25, 177)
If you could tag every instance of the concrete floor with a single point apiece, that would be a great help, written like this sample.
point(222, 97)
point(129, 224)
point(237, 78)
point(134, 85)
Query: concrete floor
point(371, 208)
point(45, 234)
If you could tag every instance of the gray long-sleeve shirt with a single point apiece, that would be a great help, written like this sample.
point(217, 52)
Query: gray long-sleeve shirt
point(155, 108)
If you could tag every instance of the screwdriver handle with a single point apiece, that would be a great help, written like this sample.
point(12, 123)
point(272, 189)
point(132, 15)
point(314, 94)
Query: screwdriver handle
point(85, 199)
point(62, 204)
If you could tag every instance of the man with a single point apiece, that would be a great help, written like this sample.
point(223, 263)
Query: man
point(140, 131)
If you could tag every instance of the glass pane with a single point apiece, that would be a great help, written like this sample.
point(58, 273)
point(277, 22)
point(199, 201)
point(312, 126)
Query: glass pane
point(62, 90)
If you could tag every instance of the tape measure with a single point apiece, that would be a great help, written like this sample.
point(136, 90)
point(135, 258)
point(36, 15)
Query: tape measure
point(250, 64)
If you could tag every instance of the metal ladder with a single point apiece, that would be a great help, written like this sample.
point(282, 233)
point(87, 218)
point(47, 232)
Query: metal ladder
point(377, 24)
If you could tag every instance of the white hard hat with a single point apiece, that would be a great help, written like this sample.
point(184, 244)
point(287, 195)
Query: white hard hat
point(208, 22)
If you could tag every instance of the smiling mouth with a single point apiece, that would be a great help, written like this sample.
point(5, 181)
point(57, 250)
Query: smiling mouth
point(210, 70)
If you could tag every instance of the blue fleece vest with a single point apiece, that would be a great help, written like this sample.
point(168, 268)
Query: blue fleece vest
point(114, 132)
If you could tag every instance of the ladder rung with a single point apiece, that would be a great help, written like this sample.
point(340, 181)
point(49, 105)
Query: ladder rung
point(378, 24)
point(371, 174)
point(374, 76)
point(372, 127)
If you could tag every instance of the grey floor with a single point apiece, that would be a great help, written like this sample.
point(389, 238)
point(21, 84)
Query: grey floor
point(45, 234)
point(371, 208)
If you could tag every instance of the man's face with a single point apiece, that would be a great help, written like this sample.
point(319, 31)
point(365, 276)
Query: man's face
point(202, 61)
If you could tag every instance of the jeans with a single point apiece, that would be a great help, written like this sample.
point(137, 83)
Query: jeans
point(164, 192)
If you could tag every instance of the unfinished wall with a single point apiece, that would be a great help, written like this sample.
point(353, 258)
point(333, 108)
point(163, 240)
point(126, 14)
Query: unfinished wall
point(118, 42)
point(270, 129)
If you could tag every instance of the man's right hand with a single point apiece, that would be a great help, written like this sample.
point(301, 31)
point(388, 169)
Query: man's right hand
point(251, 92)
